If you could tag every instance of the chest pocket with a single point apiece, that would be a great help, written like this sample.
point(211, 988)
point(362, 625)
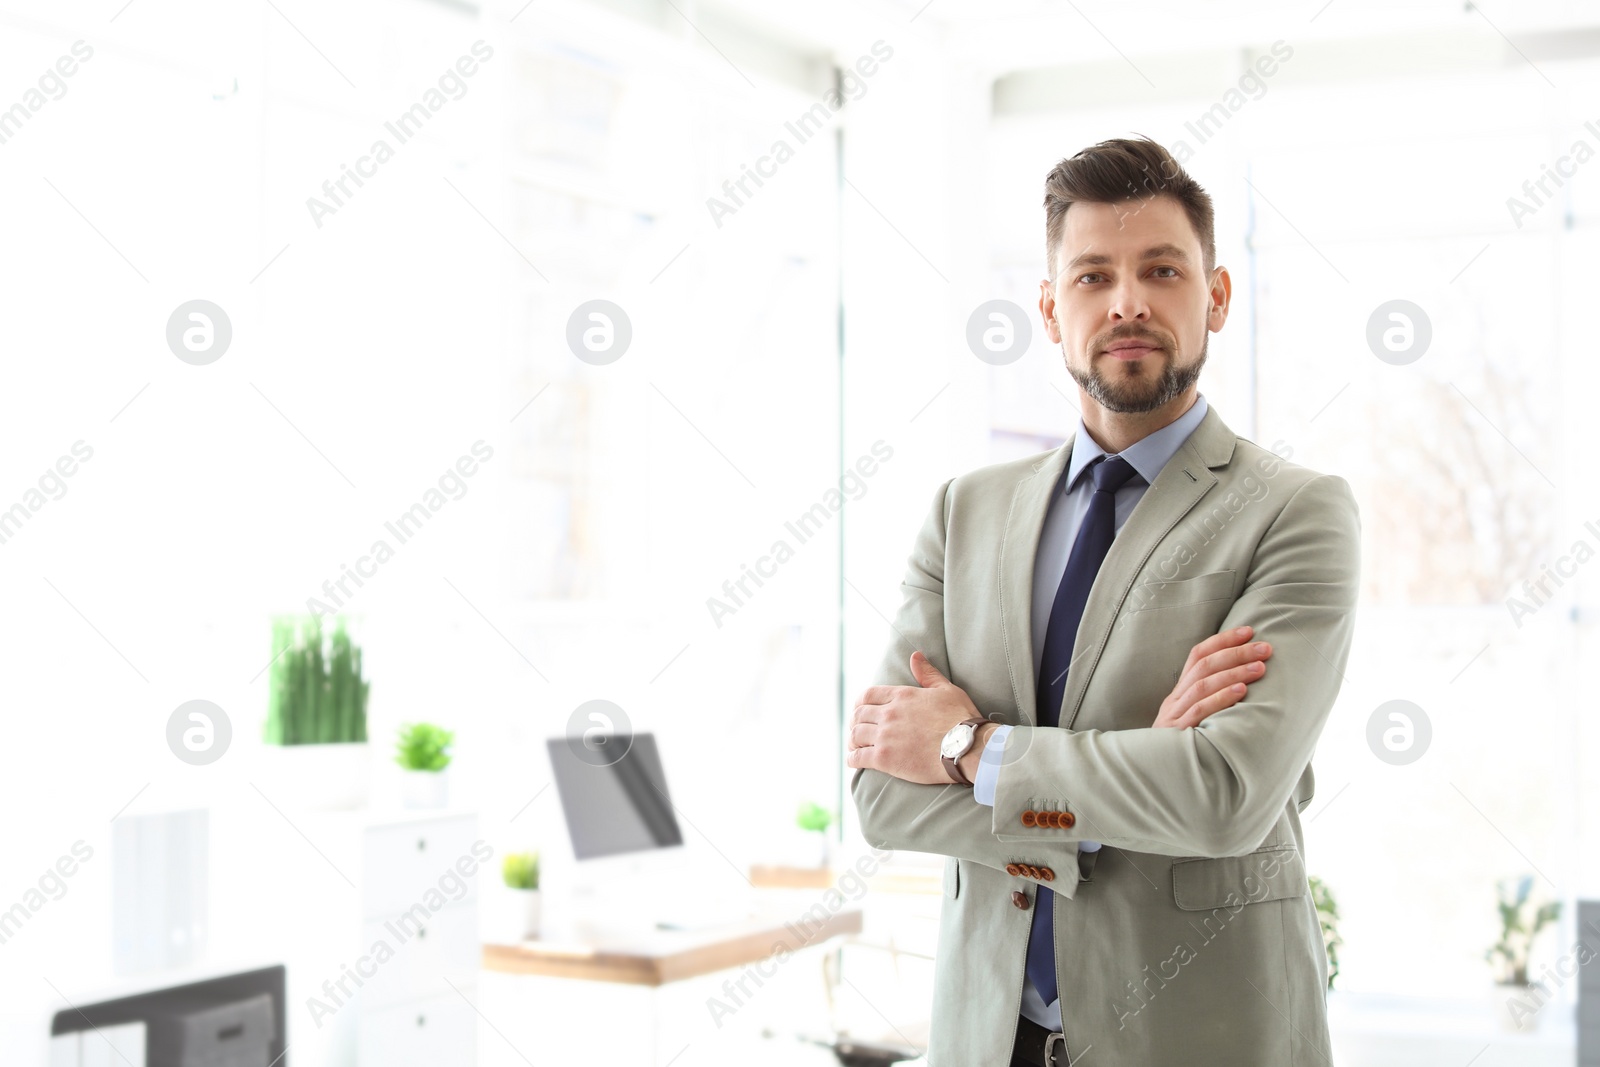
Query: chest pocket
point(1148, 596)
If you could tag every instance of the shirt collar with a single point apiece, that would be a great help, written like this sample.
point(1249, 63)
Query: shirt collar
point(1146, 455)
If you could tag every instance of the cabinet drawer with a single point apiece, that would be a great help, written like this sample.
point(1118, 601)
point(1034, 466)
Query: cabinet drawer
point(420, 1033)
point(440, 946)
point(403, 861)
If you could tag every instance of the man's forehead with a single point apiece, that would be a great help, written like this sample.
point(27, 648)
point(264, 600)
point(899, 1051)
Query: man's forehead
point(1100, 233)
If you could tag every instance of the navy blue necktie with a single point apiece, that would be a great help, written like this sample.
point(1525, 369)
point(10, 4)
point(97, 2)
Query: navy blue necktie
point(1088, 552)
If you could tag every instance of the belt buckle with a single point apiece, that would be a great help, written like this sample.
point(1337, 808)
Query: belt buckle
point(1050, 1042)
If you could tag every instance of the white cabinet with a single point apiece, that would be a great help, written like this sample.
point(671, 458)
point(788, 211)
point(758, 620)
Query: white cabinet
point(418, 937)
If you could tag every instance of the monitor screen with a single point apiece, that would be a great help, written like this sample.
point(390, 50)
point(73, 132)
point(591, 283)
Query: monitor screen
point(614, 795)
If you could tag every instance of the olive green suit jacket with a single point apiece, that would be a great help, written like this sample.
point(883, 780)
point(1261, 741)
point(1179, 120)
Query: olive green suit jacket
point(1190, 936)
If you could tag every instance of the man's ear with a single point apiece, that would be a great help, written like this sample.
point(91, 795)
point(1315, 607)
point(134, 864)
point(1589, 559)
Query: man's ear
point(1047, 311)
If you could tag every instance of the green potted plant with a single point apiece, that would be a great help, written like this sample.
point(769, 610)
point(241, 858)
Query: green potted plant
point(316, 725)
point(1521, 919)
point(423, 752)
point(519, 875)
point(1328, 918)
point(814, 818)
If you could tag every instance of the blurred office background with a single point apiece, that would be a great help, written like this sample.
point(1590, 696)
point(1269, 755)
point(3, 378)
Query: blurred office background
point(791, 214)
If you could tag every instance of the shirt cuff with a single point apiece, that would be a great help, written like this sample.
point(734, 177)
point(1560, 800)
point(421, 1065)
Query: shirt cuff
point(987, 780)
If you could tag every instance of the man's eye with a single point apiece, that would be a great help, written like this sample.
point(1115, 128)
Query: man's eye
point(1081, 277)
point(1174, 270)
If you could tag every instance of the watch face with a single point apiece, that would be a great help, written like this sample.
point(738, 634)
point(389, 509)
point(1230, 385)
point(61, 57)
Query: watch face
point(956, 741)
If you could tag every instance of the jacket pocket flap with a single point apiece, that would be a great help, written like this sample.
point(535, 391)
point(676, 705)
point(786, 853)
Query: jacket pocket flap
point(1217, 585)
point(1272, 873)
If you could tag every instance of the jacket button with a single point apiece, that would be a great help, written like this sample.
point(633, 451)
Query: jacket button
point(1067, 819)
point(1047, 874)
point(1013, 870)
point(1047, 819)
point(1020, 899)
point(1030, 817)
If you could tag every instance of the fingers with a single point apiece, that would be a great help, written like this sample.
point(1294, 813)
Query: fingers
point(1204, 709)
point(1217, 642)
point(1234, 655)
point(925, 673)
point(1216, 666)
point(862, 735)
point(1221, 685)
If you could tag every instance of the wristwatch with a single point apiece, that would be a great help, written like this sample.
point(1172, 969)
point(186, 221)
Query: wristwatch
point(957, 742)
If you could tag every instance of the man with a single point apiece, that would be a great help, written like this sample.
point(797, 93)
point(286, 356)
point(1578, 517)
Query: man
point(1077, 708)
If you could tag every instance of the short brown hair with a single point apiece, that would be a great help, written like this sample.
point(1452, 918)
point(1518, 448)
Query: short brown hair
point(1124, 169)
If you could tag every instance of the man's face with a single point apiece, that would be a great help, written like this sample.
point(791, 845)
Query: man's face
point(1131, 305)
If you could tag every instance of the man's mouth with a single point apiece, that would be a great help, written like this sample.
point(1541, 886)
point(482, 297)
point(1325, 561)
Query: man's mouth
point(1126, 350)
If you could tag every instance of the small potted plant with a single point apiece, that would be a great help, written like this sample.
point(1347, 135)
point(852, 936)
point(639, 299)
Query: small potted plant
point(423, 752)
point(1517, 999)
point(520, 912)
point(814, 818)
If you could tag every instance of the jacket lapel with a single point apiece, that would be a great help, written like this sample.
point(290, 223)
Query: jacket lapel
point(1182, 483)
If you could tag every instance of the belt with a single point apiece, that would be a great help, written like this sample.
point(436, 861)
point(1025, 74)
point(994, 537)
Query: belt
point(1038, 1046)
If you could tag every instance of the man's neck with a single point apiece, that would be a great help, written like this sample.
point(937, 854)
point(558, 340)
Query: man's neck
point(1115, 430)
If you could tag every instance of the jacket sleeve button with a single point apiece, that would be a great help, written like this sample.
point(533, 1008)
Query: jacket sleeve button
point(1013, 870)
point(1067, 819)
point(1030, 817)
point(1047, 874)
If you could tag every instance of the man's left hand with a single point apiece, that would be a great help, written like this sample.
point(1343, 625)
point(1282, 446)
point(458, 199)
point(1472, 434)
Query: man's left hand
point(897, 728)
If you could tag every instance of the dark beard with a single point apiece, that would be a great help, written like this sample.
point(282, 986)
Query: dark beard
point(1131, 398)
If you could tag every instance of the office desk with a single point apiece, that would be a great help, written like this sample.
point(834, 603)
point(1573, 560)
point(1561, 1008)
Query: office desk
point(649, 996)
point(660, 956)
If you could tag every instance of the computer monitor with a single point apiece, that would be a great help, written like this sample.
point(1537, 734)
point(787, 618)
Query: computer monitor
point(625, 835)
point(614, 795)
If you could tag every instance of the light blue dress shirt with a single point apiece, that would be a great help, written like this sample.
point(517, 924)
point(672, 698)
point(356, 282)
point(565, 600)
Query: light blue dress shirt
point(1065, 514)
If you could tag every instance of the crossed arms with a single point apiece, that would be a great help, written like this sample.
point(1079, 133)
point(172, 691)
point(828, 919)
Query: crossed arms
point(1213, 786)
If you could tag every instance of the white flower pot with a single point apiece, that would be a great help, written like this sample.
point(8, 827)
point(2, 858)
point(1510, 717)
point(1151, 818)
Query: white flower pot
point(331, 777)
point(516, 915)
point(424, 789)
point(1519, 1007)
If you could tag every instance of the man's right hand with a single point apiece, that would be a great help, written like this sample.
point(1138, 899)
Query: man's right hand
point(1216, 676)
